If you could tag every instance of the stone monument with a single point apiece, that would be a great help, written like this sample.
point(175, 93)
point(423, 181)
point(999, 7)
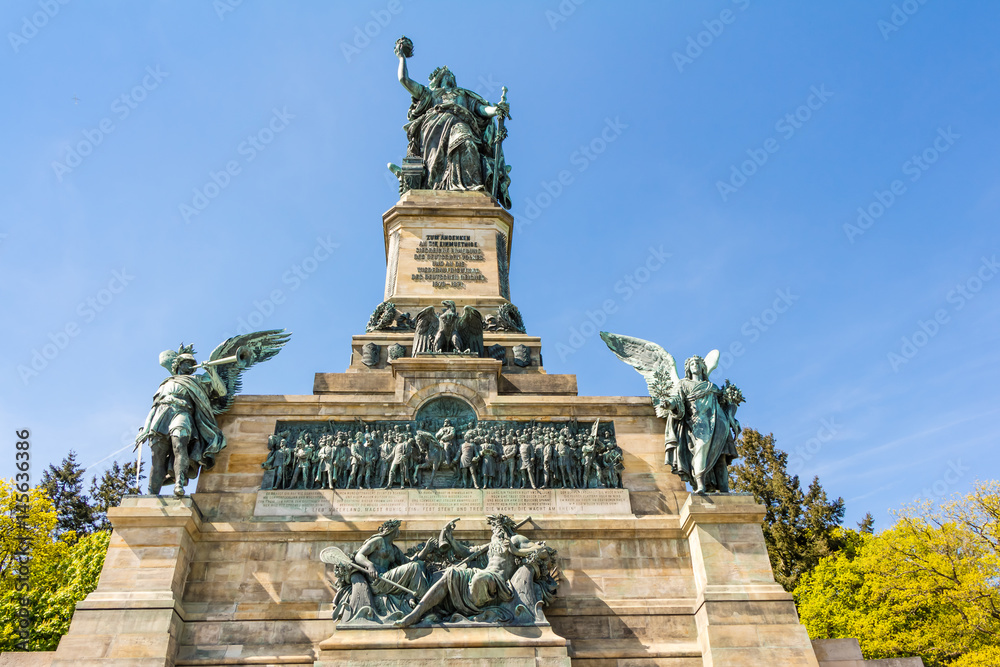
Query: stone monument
point(445, 498)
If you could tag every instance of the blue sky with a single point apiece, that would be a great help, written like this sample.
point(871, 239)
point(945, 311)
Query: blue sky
point(739, 138)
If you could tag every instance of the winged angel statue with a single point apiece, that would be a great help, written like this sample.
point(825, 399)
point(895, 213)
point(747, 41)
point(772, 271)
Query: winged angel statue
point(701, 433)
point(449, 332)
point(181, 428)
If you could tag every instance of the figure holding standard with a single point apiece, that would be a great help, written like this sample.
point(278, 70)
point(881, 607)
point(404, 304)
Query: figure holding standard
point(701, 431)
point(181, 428)
point(451, 130)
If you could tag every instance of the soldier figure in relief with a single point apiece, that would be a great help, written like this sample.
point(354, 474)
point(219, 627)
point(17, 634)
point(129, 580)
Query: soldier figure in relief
point(509, 462)
point(304, 454)
point(446, 436)
point(401, 452)
point(324, 467)
point(468, 458)
point(526, 453)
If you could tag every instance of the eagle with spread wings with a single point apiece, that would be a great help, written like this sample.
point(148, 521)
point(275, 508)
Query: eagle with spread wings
point(449, 332)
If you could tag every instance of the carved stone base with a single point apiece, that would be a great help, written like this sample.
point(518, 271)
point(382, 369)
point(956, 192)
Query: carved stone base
point(420, 647)
point(447, 245)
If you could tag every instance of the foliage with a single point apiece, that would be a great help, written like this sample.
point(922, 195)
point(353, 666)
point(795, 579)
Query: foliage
point(73, 578)
point(800, 527)
point(64, 486)
point(988, 656)
point(56, 529)
point(928, 586)
point(59, 575)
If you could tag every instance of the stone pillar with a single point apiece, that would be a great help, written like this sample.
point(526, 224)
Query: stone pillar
point(743, 616)
point(443, 244)
point(134, 617)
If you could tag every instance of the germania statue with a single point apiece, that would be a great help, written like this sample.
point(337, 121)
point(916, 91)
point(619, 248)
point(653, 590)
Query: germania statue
point(701, 431)
point(181, 428)
point(453, 142)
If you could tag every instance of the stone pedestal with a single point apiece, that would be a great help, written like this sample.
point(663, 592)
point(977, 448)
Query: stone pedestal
point(424, 647)
point(743, 615)
point(447, 245)
point(650, 575)
point(135, 615)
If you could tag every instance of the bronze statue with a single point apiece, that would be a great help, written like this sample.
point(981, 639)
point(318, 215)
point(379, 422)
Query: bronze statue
point(494, 454)
point(451, 135)
point(514, 566)
point(181, 428)
point(701, 429)
point(378, 581)
point(449, 332)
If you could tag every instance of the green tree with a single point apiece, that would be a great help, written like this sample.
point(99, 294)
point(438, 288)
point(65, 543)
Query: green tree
point(800, 527)
point(71, 578)
point(116, 482)
point(64, 486)
point(57, 574)
point(928, 586)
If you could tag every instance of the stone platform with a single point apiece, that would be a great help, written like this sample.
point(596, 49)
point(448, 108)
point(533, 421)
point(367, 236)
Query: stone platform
point(423, 647)
point(650, 575)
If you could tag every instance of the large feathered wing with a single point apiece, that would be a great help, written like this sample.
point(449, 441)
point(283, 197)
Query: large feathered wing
point(655, 364)
point(425, 328)
point(470, 328)
point(711, 362)
point(252, 348)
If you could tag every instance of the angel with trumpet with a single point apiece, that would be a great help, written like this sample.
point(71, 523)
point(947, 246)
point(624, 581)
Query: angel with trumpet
point(181, 428)
point(701, 431)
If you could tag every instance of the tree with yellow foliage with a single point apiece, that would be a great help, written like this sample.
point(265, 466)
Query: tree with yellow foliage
point(42, 577)
point(927, 586)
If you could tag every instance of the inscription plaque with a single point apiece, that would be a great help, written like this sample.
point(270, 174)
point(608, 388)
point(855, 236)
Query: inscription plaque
point(518, 502)
point(449, 256)
point(593, 501)
point(336, 503)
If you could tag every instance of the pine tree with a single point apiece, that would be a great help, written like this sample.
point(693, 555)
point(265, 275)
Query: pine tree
point(799, 527)
point(115, 484)
point(64, 487)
